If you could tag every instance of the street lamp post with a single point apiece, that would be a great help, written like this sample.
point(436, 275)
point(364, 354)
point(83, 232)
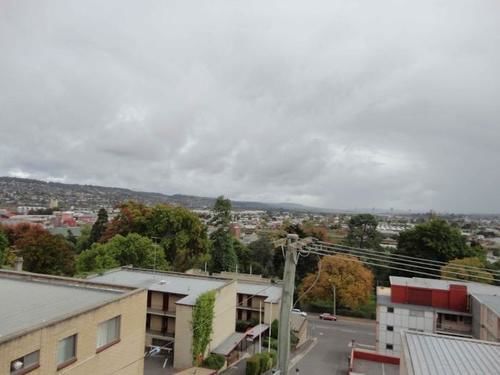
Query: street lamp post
point(334, 301)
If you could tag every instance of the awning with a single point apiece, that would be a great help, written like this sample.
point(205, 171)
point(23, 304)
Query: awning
point(256, 331)
point(228, 345)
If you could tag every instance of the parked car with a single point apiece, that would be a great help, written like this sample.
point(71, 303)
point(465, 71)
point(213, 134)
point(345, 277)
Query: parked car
point(298, 311)
point(328, 316)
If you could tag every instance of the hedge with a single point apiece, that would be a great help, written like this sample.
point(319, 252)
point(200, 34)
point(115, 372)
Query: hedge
point(214, 361)
point(253, 366)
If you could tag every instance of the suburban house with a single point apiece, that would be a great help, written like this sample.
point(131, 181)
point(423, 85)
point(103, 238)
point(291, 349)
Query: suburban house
point(61, 325)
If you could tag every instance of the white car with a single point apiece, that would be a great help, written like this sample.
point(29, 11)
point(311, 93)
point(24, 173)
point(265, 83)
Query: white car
point(297, 311)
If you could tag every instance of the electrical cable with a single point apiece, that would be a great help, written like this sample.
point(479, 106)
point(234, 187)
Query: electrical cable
point(414, 263)
point(326, 252)
point(328, 244)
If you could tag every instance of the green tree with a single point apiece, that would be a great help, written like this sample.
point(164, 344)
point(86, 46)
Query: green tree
point(132, 249)
point(45, 253)
point(243, 255)
point(99, 226)
point(97, 259)
point(131, 219)
point(179, 231)
point(181, 234)
point(223, 254)
point(71, 237)
point(459, 269)
point(262, 254)
point(434, 240)
point(222, 212)
point(4, 243)
point(83, 241)
point(363, 232)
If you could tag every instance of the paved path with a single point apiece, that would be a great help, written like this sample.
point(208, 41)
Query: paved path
point(330, 355)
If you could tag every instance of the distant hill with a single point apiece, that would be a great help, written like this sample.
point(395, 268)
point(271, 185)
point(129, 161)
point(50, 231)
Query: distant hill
point(28, 192)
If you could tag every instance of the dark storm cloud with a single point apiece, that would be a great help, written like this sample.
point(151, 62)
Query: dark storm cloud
point(344, 104)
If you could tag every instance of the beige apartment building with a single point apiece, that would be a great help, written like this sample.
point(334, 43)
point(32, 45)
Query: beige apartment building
point(255, 295)
point(56, 325)
point(170, 302)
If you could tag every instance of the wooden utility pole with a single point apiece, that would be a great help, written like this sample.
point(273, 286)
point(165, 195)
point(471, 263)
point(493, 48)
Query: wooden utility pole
point(291, 259)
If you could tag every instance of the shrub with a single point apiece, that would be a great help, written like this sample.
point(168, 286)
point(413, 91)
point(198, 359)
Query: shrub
point(274, 357)
point(274, 329)
point(214, 361)
point(242, 325)
point(266, 361)
point(253, 366)
point(274, 343)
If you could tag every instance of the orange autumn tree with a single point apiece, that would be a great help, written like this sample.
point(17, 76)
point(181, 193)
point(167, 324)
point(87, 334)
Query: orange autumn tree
point(352, 280)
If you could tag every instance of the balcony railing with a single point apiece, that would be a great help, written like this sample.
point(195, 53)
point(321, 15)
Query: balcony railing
point(163, 334)
point(161, 312)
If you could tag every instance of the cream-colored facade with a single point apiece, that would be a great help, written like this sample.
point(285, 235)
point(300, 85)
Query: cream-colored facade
point(125, 356)
point(222, 326)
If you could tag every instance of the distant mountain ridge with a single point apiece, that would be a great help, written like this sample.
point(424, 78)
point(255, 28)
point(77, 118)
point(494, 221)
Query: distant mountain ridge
point(16, 191)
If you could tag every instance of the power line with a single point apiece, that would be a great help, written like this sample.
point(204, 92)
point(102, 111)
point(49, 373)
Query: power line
point(389, 267)
point(312, 285)
point(330, 252)
point(414, 263)
point(328, 244)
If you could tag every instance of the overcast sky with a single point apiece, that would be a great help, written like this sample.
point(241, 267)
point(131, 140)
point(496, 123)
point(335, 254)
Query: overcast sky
point(339, 104)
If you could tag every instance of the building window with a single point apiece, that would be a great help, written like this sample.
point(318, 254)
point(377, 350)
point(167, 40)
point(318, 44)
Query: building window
point(66, 352)
point(25, 364)
point(108, 333)
point(390, 309)
point(389, 346)
point(390, 328)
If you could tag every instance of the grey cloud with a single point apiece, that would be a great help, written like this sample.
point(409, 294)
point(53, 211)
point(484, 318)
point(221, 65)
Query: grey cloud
point(330, 103)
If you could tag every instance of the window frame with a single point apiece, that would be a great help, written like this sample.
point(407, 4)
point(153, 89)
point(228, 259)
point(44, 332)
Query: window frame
point(26, 369)
point(390, 328)
point(389, 346)
point(111, 342)
point(391, 309)
point(71, 360)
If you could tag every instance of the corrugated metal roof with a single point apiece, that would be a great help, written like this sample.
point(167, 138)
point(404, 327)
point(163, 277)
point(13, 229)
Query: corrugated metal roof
point(26, 304)
point(257, 330)
point(428, 354)
point(188, 285)
point(229, 344)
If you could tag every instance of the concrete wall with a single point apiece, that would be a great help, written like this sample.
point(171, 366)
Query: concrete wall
point(125, 357)
point(275, 310)
point(156, 300)
point(183, 357)
point(223, 325)
point(400, 319)
point(224, 317)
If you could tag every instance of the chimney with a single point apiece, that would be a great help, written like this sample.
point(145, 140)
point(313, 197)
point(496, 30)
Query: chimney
point(19, 263)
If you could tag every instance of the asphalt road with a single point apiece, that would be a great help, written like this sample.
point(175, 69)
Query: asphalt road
point(330, 355)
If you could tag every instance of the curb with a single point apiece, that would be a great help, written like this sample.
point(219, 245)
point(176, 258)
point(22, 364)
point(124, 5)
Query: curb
point(301, 355)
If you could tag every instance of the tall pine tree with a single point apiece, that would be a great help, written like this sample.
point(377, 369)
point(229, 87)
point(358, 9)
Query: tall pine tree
point(99, 227)
point(223, 254)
